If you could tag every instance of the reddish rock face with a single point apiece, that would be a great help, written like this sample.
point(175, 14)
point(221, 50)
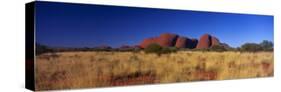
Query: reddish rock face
point(170, 40)
point(182, 42)
point(167, 39)
point(148, 41)
point(204, 42)
point(215, 41)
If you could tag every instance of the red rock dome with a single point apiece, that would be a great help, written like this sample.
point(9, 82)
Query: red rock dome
point(182, 42)
point(215, 41)
point(147, 42)
point(173, 40)
point(167, 39)
point(204, 42)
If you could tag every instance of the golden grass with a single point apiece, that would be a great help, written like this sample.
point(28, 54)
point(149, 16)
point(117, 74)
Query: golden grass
point(99, 69)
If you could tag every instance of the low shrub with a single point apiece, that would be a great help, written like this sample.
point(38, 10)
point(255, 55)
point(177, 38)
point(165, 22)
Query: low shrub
point(156, 48)
point(218, 48)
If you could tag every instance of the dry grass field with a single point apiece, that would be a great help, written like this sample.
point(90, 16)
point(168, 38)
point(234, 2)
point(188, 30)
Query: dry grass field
point(99, 69)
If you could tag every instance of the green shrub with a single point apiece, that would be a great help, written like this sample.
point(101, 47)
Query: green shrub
point(168, 50)
point(218, 48)
point(252, 47)
point(266, 45)
point(40, 49)
point(153, 48)
point(156, 48)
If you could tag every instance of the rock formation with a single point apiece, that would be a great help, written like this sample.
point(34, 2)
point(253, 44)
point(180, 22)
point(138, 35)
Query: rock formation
point(206, 41)
point(182, 42)
point(167, 39)
point(173, 40)
point(215, 41)
point(148, 41)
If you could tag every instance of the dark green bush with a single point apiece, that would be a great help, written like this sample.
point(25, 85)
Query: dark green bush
point(153, 48)
point(252, 47)
point(218, 48)
point(266, 45)
point(156, 48)
point(168, 50)
point(40, 49)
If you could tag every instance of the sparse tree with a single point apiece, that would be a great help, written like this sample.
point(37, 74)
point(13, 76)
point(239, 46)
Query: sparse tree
point(40, 49)
point(252, 47)
point(267, 45)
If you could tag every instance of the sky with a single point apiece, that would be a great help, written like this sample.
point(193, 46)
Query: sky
point(83, 25)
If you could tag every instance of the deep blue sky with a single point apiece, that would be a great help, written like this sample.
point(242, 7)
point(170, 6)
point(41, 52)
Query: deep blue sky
point(81, 25)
